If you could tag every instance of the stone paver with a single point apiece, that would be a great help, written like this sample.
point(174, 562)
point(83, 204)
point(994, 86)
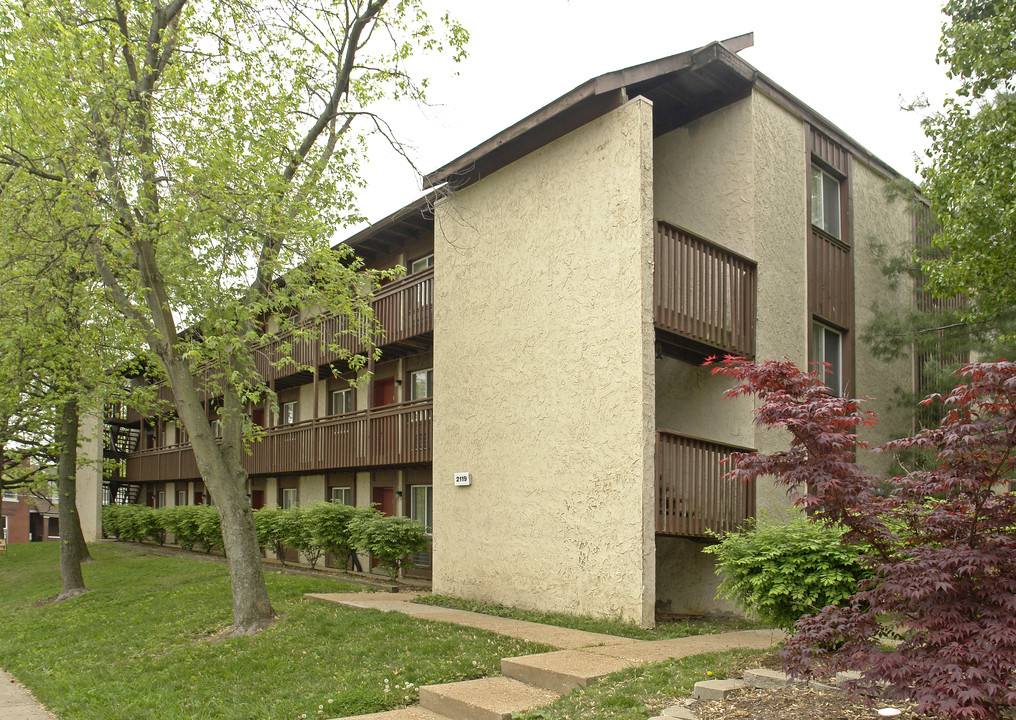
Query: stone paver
point(716, 689)
point(16, 703)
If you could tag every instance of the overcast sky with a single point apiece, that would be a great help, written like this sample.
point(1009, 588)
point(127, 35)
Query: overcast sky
point(855, 63)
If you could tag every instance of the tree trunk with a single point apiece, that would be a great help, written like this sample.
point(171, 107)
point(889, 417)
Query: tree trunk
point(226, 480)
point(72, 543)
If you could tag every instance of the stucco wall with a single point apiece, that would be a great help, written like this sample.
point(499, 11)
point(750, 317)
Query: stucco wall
point(543, 377)
point(882, 228)
point(88, 477)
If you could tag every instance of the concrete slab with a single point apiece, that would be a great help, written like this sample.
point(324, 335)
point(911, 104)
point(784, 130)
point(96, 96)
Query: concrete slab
point(563, 638)
point(409, 713)
point(716, 689)
point(493, 698)
point(652, 651)
point(561, 671)
point(770, 679)
point(16, 703)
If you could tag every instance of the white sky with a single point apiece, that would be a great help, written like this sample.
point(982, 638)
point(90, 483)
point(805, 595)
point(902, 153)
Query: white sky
point(855, 63)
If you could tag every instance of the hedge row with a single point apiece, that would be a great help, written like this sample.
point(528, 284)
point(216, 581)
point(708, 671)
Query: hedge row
point(338, 530)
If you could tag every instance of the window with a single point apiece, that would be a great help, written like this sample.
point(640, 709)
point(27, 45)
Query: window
point(288, 498)
point(217, 428)
point(5, 525)
point(421, 384)
point(289, 413)
point(53, 527)
point(181, 497)
point(827, 356)
point(421, 506)
point(825, 201)
point(11, 494)
point(422, 264)
point(342, 495)
point(160, 501)
point(342, 401)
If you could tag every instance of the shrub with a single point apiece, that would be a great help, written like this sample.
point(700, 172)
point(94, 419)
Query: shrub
point(182, 521)
point(296, 533)
point(270, 530)
point(128, 522)
point(329, 524)
point(209, 527)
point(389, 540)
point(778, 572)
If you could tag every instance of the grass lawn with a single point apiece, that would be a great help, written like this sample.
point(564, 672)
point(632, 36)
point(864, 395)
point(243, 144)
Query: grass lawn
point(142, 643)
point(662, 631)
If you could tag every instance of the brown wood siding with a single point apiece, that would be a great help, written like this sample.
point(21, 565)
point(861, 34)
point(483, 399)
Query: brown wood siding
point(400, 434)
point(692, 498)
point(703, 292)
point(832, 154)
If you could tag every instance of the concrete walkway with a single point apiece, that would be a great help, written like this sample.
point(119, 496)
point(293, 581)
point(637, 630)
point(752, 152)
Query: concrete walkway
point(16, 703)
point(531, 681)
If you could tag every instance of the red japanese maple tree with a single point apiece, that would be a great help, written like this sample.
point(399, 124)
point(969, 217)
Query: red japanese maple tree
point(937, 623)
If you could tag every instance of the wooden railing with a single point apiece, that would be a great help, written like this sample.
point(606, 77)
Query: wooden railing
point(402, 309)
point(691, 495)
point(394, 435)
point(703, 292)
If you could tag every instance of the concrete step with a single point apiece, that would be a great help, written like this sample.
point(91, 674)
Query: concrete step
point(494, 698)
point(407, 713)
point(561, 671)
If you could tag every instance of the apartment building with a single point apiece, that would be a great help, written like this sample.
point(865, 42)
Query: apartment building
point(28, 517)
point(540, 402)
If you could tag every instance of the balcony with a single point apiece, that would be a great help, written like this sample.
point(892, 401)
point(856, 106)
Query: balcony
point(703, 296)
point(403, 310)
point(692, 498)
point(399, 434)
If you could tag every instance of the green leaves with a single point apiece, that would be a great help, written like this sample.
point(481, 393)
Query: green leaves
point(781, 571)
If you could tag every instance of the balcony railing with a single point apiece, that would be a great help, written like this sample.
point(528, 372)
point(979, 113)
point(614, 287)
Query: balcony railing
point(703, 293)
point(403, 309)
point(393, 435)
point(691, 495)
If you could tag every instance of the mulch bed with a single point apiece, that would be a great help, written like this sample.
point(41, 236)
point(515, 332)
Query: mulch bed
point(794, 704)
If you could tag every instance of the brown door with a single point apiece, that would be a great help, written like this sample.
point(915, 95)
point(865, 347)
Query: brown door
point(257, 499)
point(384, 392)
point(258, 417)
point(384, 499)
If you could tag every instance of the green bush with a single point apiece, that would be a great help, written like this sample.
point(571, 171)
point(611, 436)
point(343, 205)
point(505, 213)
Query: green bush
point(296, 533)
point(389, 540)
point(779, 572)
point(329, 524)
point(269, 525)
point(209, 527)
point(183, 522)
point(133, 523)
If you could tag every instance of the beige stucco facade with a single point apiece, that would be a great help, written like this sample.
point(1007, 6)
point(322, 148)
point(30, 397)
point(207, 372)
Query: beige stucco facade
point(88, 477)
point(543, 346)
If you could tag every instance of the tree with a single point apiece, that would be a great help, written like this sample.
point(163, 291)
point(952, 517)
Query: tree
point(941, 541)
point(969, 174)
point(204, 151)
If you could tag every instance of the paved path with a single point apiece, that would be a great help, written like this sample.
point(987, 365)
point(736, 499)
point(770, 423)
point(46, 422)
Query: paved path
point(16, 703)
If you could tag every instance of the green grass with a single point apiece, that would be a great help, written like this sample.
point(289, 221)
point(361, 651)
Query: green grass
point(638, 693)
point(143, 644)
point(662, 631)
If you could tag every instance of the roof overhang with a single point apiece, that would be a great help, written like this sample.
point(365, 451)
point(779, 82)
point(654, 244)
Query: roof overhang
point(682, 87)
